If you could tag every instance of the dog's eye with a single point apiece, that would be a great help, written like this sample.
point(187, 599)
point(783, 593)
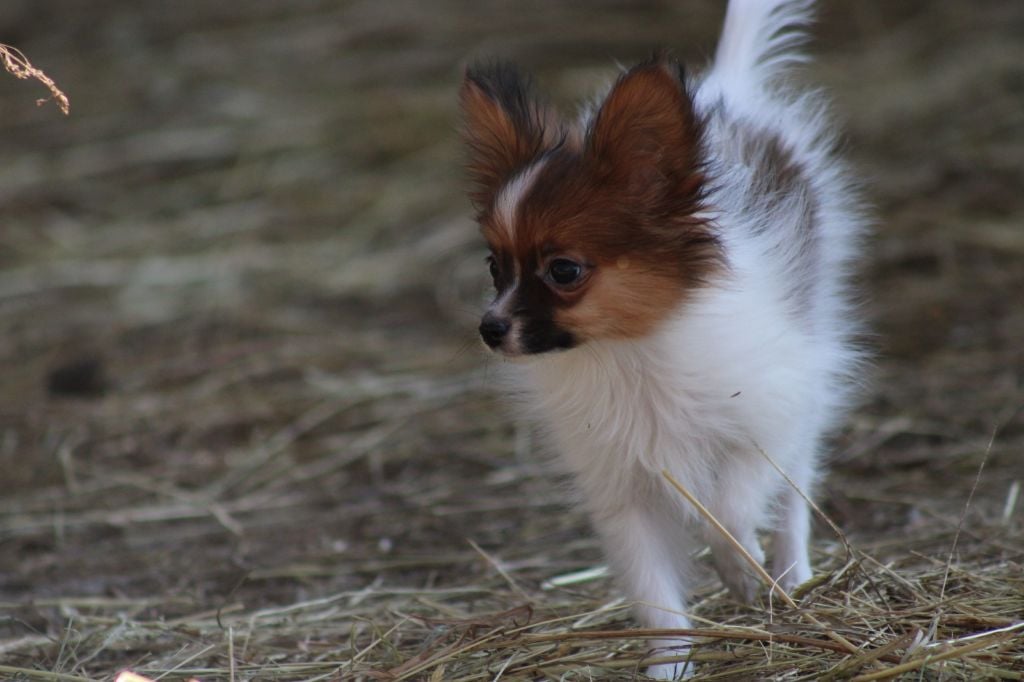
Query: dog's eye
point(564, 271)
point(492, 265)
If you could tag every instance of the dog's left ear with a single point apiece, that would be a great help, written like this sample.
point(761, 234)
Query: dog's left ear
point(646, 136)
point(506, 127)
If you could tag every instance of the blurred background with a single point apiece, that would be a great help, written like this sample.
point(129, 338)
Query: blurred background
point(239, 285)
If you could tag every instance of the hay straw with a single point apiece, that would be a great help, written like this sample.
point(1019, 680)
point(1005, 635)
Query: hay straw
point(755, 564)
point(808, 499)
point(963, 513)
point(1010, 505)
point(921, 661)
point(17, 65)
point(740, 549)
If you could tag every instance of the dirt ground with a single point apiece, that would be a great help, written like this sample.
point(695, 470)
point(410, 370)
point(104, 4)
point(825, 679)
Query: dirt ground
point(246, 431)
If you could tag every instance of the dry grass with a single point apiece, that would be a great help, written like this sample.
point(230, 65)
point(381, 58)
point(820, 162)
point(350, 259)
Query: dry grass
point(18, 66)
point(244, 430)
point(903, 617)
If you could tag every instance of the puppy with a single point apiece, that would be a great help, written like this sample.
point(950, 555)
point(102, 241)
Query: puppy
point(671, 279)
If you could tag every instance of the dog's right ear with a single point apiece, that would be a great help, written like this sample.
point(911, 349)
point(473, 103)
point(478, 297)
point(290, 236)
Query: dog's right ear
point(505, 127)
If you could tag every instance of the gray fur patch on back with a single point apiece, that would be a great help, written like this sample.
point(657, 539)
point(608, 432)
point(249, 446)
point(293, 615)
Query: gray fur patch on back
point(784, 201)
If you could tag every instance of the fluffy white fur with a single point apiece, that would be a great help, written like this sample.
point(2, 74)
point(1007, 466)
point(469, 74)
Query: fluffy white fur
point(761, 358)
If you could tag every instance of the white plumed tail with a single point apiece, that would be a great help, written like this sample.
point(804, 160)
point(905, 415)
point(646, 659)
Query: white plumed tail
point(760, 40)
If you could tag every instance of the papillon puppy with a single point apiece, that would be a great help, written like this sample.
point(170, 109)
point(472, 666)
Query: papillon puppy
point(671, 275)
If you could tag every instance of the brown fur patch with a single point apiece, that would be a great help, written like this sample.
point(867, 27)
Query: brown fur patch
point(620, 304)
point(647, 134)
point(627, 204)
point(505, 128)
point(498, 235)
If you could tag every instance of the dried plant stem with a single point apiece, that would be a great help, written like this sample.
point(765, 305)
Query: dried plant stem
point(886, 652)
point(758, 568)
point(18, 65)
point(501, 571)
point(29, 674)
point(709, 633)
point(921, 661)
point(963, 514)
point(811, 503)
point(232, 672)
point(710, 518)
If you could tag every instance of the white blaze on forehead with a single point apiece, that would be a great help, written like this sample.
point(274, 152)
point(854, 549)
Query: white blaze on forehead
point(512, 193)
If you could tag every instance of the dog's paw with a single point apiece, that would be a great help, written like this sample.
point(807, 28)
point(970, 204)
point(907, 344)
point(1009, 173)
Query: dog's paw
point(794, 576)
point(736, 573)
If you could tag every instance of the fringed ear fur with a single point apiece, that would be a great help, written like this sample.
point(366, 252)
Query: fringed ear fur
point(646, 136)
point(505, 127)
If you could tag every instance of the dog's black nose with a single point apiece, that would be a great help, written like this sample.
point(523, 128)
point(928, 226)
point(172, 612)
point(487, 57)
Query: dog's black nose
point(493, 330)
